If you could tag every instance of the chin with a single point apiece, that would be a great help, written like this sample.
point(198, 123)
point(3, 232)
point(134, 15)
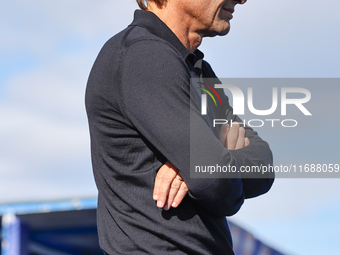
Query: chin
point(222, 32)
point(223, 28)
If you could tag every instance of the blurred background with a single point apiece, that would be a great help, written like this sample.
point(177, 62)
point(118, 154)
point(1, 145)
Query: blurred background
point(46, 53)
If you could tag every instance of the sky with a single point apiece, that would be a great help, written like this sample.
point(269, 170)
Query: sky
point(46, 53)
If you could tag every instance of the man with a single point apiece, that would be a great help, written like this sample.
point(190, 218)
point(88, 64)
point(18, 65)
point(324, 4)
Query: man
point(138, 104)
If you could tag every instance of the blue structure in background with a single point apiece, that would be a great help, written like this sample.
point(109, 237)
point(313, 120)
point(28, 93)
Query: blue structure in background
point(14, 236)
point(244, 243)
point(62, 227)
point(68, 227)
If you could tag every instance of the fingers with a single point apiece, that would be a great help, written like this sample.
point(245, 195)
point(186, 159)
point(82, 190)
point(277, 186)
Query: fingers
point(178, 191)
point(247, 141)
point(159, 178)
point(232, 136)
point(182, 192)
point(241, 138)
point(163, 181)
point(169, 189)
point(223, 134)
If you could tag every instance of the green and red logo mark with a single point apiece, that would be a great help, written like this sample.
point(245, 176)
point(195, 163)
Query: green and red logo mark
point(209, 93)
point(204, 103)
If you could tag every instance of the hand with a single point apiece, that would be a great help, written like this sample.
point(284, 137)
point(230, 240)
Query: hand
point(169, 189)
point(233, 138)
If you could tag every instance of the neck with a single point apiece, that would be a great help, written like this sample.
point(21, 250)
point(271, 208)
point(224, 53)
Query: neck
point(178, 23)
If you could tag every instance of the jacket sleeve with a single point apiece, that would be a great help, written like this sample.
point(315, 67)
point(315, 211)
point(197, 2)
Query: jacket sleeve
point(256, 154)
point(155, 97)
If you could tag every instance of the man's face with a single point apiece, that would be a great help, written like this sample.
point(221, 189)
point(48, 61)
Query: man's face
point(210, 17)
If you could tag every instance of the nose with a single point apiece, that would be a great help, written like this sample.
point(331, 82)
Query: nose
point(241, 1)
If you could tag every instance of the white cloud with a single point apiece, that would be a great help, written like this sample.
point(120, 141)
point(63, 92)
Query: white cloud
point(38, 25)
point(45, 140)
point(44, 133)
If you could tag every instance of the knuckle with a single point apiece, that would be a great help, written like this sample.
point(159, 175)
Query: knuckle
point(175, 185)
point(162, 194)
point(184, 188)
point(166, 179)
point(235, 125)
point(232, 140)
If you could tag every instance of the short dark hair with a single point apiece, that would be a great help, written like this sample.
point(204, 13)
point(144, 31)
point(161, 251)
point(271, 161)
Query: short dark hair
point(143, 3)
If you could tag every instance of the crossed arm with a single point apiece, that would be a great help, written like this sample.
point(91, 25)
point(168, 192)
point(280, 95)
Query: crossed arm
point(170, 189)
point(169, 113)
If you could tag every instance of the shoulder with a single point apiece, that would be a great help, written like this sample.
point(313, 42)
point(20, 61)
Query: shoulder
point(146, 55)
point(147, 47)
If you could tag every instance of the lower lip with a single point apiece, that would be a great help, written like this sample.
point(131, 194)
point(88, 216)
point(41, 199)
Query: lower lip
point(230, 15)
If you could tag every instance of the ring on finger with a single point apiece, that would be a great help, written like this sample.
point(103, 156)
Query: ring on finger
point(179, 178)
